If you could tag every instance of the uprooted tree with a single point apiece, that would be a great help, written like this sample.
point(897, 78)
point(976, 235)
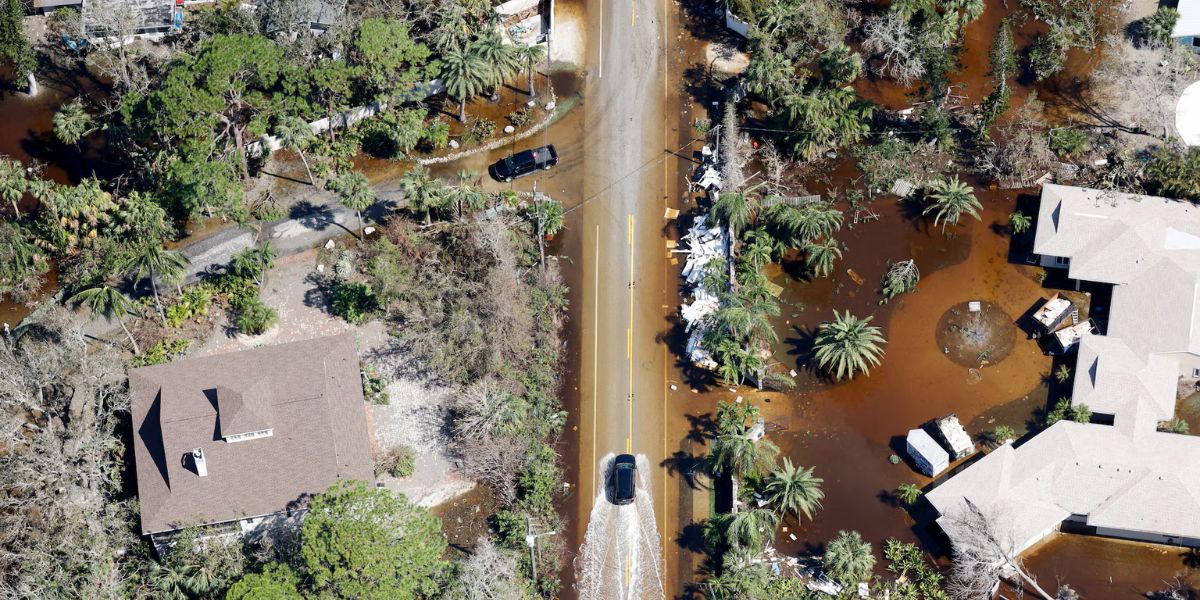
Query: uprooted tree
point(985, 553)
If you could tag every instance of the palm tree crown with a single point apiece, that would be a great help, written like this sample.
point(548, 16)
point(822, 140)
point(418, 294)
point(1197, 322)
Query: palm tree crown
point(108, 302)
point(849, 558)
point(465, 75)
point(848, 345)
point(950, 199)
point(795, 490)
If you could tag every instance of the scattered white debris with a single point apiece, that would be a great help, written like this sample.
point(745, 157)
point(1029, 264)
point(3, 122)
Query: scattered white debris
point(330, 245)
point(320, 268)
point(368, 230)
point(509, 129)
point(454, 144)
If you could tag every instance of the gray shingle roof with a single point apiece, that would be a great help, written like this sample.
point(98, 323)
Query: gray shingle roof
point(1127, 476)
point(310, 395)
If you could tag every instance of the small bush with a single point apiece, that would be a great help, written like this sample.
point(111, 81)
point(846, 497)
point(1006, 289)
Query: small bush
point(510, 528)
point(397, 462)
point(1158, 26)
point(702, 125)
point(480, 130)
point(375, 387)
point(894, 459)
point(1069, 142)
point(1175, 425)
point(521, 118)
point(161, 353)
point(255, 317)
point(437, 134)
point(353, 301)
point(194, 303)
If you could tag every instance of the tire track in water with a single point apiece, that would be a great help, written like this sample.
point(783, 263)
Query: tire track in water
point(621, 553)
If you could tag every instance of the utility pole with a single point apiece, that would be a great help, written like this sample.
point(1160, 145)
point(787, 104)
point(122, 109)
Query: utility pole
point(531, 541)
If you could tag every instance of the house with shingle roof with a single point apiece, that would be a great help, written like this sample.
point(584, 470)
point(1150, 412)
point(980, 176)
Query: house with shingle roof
point(241, 437)
point(1127, 479)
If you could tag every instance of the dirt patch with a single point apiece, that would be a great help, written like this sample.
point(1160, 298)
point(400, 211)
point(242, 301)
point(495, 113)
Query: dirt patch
point(976, 338)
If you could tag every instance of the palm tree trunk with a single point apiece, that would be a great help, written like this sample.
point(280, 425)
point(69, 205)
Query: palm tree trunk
point(311, 180)
point(16, 210)
point(157, 301)
point(532, 90)
point(361, 234)
point(733, 482)
point(132, 341)
point(428, 217)
point(462, 110)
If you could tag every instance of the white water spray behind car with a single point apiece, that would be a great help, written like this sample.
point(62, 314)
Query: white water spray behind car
point(621, 556)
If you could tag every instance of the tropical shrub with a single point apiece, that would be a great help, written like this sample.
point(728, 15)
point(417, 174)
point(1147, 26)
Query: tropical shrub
point(255, 317)
point(848, 345)
point(437, 134)
point(353, 301)
point(375, 386)
point(163, 352)
point(1069, 142)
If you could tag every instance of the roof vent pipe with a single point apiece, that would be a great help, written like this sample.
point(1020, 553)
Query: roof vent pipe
point(198, 458)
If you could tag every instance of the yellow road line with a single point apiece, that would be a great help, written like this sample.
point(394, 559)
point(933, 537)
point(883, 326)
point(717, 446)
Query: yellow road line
point(629, 440)
point(595, 354)
point(632, 12)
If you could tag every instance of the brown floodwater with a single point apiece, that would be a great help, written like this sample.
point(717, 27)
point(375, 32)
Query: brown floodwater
point(27, 135)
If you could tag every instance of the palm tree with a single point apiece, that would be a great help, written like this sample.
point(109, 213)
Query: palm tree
point(355, 193)
point(795, 490)
point(848, 345)
point(908, 493)
point(423, 191)
point(549, 216)
point(769, 73)
point(503, 59)
point(732, 210)
point(752, 529)
point(465, 75)
point(12, 183)
point(174, 580)
point(950, 200)
point(255, 262)
point(153, 260)
point(466, 196)
point(759, 248)
point(109, 302)
point(820, 256)
point(849, 558)
point(295, 134)
point(72, 123)
point(530, 56)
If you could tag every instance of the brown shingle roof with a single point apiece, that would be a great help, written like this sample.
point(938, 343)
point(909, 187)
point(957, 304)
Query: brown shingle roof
point(308, 393)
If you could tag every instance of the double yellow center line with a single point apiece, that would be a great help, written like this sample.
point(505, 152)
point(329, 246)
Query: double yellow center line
point(629, 338)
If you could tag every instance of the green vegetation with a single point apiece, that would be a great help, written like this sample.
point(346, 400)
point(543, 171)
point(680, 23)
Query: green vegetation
point(357, 542)
point(1158, 26)
point(1072, 24)
point(1019, 222)
point(160, 353)
point(794, 490)
point(908, 493)
point(1062, 374)
point(1174, 425)
point(1175, 173)
point(949, 200)
point(847, 346)
point(1069, 143)
point(900, 278)
point(15, 49)
point(848, 558)
point(375, 386)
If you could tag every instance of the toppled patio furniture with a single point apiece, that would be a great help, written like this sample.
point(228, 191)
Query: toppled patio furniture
point(1053, 313)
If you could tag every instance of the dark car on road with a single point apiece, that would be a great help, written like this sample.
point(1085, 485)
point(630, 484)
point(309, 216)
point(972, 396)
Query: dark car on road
point(624, 479)
point(524, 163)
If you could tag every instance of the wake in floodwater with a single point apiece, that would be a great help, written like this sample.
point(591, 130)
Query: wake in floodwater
point(621, 556)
